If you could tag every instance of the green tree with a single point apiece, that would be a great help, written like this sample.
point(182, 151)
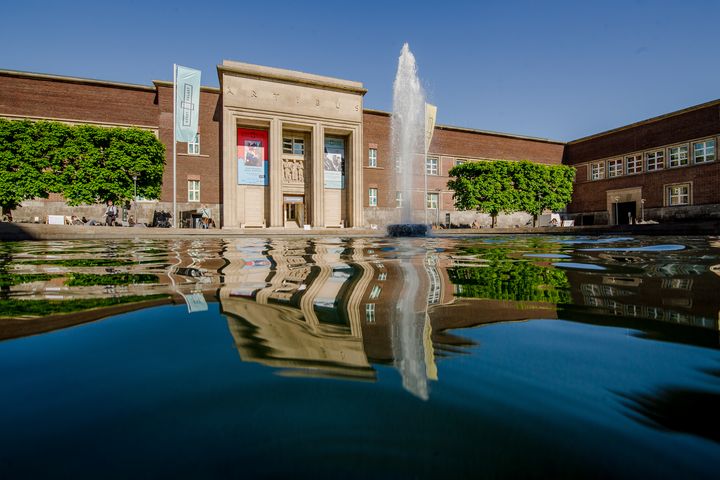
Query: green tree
point(506, 187)
point(486, 187)
point(84, 163)
point(543, 187)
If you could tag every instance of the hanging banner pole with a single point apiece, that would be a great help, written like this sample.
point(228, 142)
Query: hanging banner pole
point(186, 104)
point(430, 115)
point(174, 217)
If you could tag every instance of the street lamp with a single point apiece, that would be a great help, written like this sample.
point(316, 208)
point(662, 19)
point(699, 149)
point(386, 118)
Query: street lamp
point(617, 213)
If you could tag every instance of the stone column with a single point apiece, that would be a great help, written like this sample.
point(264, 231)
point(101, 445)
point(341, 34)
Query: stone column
point(355, 194)
point(229, 163)
point(317, 186)
point(276, 196)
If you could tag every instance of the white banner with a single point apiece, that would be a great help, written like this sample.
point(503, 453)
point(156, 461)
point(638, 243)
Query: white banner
point(187, 103)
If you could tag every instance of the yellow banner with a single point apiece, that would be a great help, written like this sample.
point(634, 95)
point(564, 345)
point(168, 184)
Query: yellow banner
point(430, 114)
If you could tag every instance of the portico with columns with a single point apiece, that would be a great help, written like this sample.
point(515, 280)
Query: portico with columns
point(309, 129)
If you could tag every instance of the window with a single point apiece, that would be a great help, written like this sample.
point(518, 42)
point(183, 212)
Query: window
point(655, 160)
point(704, 151)
point(432, 201)
point(382, 276)
point(372, 157)
point(678, 156)
point(294, 145)
point(369, 313)
point(459, 161)
point(194, 145)
point(678, 194)
point(431, 165)
point(634, 164)
point(615, 168)
point(597, 171)
point(398, 199)
point(193, 190)
point(375, 292)
point(372, 197)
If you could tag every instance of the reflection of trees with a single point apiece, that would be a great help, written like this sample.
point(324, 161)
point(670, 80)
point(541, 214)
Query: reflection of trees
point(502, 278)
point(37, 308)
point(677, 409)
point(91, 279)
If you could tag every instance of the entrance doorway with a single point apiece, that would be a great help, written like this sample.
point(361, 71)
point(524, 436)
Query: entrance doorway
point(625, 213)
point(294, 208)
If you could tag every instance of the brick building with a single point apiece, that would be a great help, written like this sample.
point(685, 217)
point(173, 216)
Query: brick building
point(661, 168)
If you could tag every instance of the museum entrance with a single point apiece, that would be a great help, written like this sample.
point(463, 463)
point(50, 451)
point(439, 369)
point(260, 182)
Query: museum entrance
point(294, 207)
point(625, 213)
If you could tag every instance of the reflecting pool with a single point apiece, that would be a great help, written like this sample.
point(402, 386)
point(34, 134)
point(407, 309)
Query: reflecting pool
point(357, 357)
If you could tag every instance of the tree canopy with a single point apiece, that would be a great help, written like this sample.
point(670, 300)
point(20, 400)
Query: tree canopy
point(84, 163)
point(505, 187)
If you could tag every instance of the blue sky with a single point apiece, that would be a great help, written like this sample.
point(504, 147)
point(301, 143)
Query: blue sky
point(555, 69)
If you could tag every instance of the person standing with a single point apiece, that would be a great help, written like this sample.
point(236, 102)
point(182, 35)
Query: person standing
point(111, 213)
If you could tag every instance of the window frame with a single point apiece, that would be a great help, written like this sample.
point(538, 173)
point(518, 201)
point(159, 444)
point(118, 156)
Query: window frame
point(192, 191)
point(658, 159)
point(636, 160)
point(398, 199)
point(372, 197)
point(428, 166)
point(687, 155)
point(669, 194)
point(428, 203)
point(618, 164)
point(600, 171)
point(193, 147)
point(372, 159)
point(293, 140)
point(705, 149)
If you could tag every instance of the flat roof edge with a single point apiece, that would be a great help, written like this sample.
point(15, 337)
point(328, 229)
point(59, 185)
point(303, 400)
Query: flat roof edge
point(291, 76)
point(79, 80)
point(647, 121)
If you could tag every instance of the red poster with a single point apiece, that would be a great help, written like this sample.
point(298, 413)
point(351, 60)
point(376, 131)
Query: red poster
point(253, 156)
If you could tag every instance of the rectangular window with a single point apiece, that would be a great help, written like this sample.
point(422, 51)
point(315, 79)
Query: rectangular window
point(194, 145)
point(431, 165)
point(375, 292)
point(678, 194)
point(382, 276)
point(459, 161)
point(615, 168)
point(193, 190)
point(294, 145)
point(398, 199)
point(678, 156)
point(634, 164)
point(369, 313)
point(432, 201)
point(655, 160)
point(597, 171)
point(372, 197)
point(704, 152)
point(372, 157)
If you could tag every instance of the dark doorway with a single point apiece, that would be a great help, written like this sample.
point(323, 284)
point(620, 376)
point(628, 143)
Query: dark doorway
point(625, 213)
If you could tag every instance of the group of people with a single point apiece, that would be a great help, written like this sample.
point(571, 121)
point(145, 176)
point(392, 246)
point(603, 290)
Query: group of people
point(112, 212)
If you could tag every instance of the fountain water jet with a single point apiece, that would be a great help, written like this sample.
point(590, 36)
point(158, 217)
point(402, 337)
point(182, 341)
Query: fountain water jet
point(407, 139)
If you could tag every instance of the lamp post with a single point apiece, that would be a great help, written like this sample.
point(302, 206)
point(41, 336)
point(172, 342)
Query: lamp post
point(642, 210)
point(617, 213)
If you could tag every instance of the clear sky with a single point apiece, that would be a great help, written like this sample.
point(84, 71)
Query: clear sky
point(555, 69)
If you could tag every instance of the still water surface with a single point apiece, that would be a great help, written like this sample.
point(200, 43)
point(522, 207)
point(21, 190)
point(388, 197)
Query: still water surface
point(506, 356)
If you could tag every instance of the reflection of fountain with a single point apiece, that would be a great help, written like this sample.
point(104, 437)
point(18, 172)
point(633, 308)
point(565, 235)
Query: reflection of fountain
point(409, 331)
point(408, 127)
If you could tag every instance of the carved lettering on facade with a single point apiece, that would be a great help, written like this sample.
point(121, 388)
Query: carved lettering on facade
point(317, 102)
point(275, 96)
point(253, 93)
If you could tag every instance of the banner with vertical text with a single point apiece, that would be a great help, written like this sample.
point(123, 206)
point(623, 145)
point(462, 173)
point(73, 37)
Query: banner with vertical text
point(187, 103)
